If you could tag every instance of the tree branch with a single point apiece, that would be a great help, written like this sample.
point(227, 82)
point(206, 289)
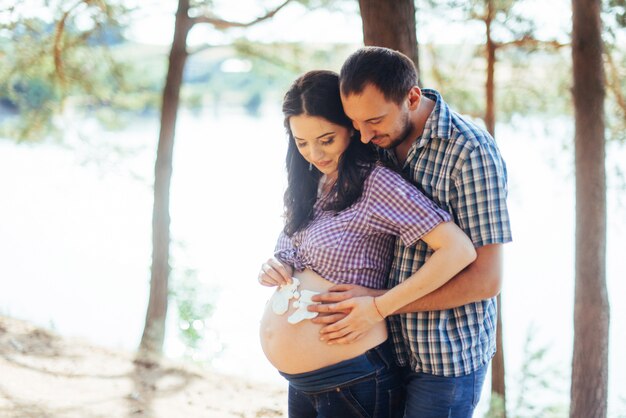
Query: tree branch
point(613, 81)
point(57, 49)
point(222, 24)
point(527, 40)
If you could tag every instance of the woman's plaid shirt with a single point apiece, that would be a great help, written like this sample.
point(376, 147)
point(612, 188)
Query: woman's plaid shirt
point(459, 166)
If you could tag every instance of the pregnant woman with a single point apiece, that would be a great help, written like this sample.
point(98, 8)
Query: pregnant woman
point(344, 211)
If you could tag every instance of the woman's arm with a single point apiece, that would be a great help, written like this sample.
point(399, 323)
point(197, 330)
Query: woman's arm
point(453, 251)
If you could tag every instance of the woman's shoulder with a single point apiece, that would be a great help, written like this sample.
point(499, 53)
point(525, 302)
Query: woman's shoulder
point(383, 175)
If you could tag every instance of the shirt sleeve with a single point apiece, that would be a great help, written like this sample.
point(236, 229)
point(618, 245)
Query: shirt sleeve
point(399, 208)
point(479, 197)
point(285, 251)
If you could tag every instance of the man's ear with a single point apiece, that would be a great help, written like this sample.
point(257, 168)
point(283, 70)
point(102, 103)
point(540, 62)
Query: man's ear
point(414, 97)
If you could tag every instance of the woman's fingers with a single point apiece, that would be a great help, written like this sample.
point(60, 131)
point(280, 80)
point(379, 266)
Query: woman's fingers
point(279, 269)
point(271, 276)
point(265, 279)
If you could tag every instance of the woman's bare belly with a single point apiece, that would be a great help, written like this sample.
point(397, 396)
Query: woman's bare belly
point(296, 348)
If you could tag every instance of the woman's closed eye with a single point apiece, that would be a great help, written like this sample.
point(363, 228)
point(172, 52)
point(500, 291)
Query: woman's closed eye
point(328, 140)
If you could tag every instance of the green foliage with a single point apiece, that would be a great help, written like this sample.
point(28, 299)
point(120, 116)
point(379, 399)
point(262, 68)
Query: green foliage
point(194, 306)
point(61, 64)
point(523, 84)
point(616, 11)
point(539, 388)
point(540, 384)
point(507, 22)
point(496, 407)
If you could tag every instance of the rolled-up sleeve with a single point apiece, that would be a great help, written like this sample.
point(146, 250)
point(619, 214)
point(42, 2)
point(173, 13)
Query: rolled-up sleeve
point(284, 250)
point(399, 208)
point(287, 252)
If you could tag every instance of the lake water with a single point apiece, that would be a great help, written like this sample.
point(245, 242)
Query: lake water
point(75, 229)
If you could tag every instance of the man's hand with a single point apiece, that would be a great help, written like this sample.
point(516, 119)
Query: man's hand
point(363, 315)
point(329, 312)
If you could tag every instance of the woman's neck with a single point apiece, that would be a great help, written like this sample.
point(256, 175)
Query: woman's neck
point(326, 184)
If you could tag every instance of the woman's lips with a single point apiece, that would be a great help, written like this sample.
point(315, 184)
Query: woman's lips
point(323, 164)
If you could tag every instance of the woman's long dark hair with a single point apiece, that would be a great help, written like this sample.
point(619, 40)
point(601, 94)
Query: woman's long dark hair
point(316, 93)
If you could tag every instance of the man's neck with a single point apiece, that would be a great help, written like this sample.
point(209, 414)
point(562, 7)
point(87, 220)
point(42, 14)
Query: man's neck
point(418, 119)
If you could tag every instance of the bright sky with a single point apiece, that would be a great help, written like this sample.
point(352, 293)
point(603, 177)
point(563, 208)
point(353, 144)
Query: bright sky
point(295, 23)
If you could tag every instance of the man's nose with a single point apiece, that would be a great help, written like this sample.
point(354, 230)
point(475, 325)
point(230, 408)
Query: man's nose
point(366, 134)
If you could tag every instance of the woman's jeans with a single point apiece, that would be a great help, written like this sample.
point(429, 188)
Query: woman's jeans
point(367, 386)
point(429, 396)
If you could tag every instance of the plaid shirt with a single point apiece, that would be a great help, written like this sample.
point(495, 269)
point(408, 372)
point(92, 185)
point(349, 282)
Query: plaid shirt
point(459, 166)
point(356, 245)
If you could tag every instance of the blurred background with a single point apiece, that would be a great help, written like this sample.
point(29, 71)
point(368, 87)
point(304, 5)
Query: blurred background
point(90, 102)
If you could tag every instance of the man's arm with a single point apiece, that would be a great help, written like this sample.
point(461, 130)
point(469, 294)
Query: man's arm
point(480, 280)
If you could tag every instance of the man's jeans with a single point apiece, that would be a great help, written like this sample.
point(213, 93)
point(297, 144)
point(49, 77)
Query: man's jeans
point(368, 386)
point(429, 396)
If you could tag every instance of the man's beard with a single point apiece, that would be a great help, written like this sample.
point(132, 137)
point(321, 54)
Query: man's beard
point(407, 128)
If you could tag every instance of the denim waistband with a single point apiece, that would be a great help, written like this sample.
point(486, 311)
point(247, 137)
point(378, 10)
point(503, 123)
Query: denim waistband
point(343, 372)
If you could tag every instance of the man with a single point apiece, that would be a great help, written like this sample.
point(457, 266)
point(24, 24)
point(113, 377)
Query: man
point(446, 338)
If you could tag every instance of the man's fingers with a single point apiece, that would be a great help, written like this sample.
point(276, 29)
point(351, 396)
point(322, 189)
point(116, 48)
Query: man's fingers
point(348, 339)
point(331, 297)
point(342, 287)
point(336, 293)
point(328, 319)
point(337, 326)
point(331, 307)
point(321, 308)
point(335, 335)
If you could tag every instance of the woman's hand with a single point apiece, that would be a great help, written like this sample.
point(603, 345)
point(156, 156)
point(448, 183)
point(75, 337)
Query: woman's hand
point(275, 273)
point(363, 315)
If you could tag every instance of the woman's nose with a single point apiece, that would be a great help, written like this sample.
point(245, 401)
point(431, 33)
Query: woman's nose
point(316, 153)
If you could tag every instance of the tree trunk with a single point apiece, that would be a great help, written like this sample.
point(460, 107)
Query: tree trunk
point(154, 330)
point(591, 308)
point(490, 110)
point(391, 24)
point(498, 385)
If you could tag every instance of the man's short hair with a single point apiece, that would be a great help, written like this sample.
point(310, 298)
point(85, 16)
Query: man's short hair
point(392, 72)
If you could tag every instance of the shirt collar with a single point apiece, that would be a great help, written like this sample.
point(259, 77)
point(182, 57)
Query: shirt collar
point(439, 122)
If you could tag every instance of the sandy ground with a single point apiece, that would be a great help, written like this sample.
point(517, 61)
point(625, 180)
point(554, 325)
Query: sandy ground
point(43, 375)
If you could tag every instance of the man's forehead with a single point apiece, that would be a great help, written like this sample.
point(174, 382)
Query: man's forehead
point(369, 90)
point(365, 105)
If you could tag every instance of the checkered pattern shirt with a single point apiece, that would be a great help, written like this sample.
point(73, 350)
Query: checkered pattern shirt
point(355, 245)
point(459, 166)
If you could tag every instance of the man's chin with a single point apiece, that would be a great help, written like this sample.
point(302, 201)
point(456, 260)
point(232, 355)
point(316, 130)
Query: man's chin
point(383, 143)
point(386, 144)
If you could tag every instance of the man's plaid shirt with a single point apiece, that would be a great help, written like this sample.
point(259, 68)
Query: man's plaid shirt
point(459, 166)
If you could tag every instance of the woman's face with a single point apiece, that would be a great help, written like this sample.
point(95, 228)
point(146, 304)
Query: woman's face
point(320, 142)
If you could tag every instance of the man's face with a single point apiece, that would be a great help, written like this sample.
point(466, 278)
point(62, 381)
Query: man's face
point(384, 123)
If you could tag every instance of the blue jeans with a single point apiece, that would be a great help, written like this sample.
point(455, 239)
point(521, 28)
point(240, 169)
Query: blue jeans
point(368, 386)
point(429, 396)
